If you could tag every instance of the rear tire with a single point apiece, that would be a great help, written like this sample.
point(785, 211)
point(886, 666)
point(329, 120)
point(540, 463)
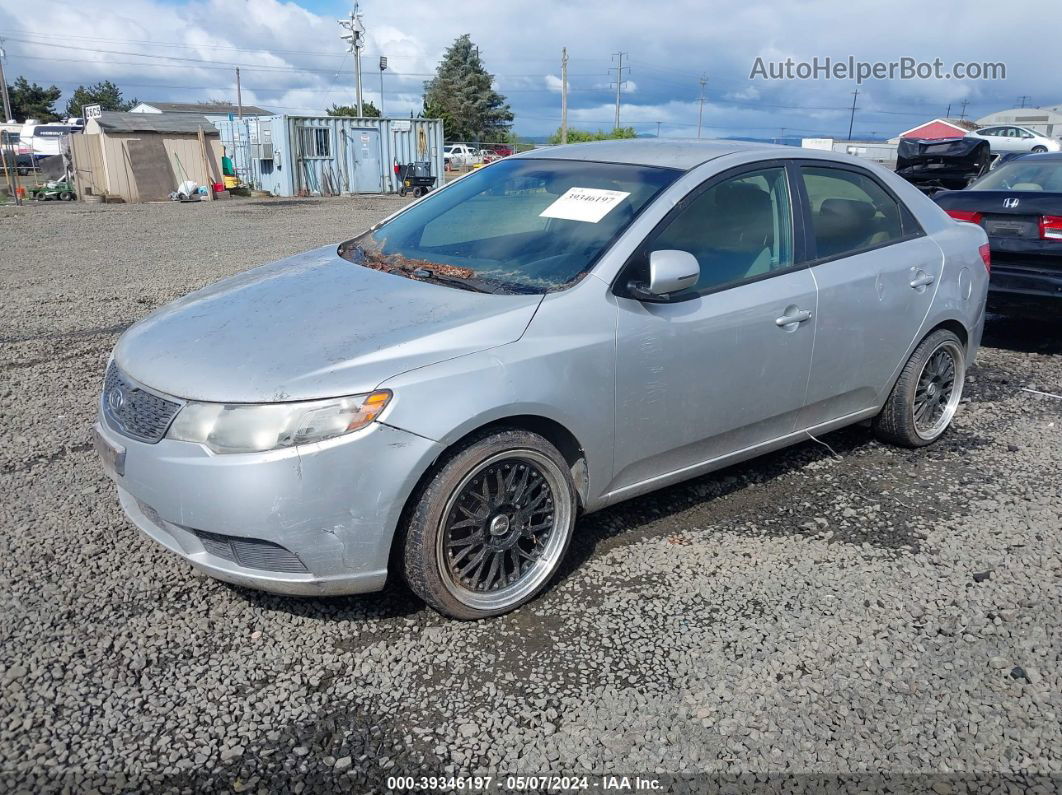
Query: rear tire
point(490, 527)
point(927, 393)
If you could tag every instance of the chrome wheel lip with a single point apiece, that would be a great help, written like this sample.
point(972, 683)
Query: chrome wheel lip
point(543, 568)
point(956, 355)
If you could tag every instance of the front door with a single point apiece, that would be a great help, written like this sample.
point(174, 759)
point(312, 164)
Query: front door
point(877, 273)
point(723, 366)
point(365, 152)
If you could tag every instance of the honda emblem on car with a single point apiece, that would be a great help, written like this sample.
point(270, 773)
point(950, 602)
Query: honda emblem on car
point(1011, 202)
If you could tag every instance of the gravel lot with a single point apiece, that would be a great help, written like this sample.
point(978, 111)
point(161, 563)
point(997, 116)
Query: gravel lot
point(844, 610)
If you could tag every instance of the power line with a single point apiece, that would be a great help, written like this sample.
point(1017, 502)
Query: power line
point(700, 112)
point(851, 119)
point(619, 82)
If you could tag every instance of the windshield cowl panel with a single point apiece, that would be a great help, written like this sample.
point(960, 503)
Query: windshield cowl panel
point(518, 226)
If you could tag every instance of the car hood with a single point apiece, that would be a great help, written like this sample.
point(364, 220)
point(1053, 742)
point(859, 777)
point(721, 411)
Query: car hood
point(311, 326)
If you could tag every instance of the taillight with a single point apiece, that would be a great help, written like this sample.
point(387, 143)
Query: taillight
point(1051, 227)
point(965, 215)
point(986, 256)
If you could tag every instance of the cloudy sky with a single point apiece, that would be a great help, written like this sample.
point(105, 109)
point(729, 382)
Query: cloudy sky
point(292, 60)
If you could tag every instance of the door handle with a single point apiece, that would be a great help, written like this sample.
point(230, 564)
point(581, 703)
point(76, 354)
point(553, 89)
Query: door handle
point(924, 280)
point(799, 316)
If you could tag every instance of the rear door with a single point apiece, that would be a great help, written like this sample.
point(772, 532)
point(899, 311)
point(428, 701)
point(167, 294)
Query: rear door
point(876, 272)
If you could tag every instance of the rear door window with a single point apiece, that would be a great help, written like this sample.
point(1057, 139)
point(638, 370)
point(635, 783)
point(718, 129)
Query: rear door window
point(849, 211)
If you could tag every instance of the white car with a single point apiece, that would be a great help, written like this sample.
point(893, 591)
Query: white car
point(461, 155)
point(1010, 138)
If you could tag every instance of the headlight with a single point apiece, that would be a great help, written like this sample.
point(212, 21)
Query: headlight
point(247, 428)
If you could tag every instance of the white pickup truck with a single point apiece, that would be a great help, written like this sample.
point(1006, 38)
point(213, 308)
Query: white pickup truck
point(462, 156)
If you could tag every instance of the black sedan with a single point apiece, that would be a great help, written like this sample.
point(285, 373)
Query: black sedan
point(1019, 204)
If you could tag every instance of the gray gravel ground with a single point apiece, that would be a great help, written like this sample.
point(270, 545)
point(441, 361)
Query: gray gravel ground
point(850, 610)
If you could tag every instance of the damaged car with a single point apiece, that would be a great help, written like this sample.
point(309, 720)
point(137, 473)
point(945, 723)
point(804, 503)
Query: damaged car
point(938, 164)
point(443, 396)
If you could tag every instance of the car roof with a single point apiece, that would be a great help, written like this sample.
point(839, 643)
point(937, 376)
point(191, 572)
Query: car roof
point(679, 153)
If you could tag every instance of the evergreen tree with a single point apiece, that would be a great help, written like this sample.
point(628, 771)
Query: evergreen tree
point(105, 94)
point(369, 111)
point(31, 101)
point(461, 95)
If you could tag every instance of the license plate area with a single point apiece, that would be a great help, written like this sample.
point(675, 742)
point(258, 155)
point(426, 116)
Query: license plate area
point(112, 455)
point(1011, 226)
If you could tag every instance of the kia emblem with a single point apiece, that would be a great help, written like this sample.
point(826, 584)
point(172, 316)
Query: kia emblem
point(115, 399)
point(1012, 202)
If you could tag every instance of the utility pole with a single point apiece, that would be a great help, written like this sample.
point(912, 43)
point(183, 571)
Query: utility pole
point(619, 81)
point(1023, 99)
point(383, 66)
point(3, 85)
point(564, 96)
point(947, 113)
point(354, 35)
point(851, 118)
point(658, 129)
point(700, 113)
point(239, 95)
point(962, 115)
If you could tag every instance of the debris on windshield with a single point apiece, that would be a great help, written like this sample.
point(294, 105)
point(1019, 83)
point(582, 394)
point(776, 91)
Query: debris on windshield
point(376, 260)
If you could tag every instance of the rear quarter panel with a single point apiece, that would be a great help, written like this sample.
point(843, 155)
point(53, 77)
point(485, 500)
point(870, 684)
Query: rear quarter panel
point(963, 287)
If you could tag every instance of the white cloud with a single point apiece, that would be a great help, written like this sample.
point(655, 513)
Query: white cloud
point(292, 59)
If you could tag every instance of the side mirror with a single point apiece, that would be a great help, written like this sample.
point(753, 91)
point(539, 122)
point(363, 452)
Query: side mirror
point(670, 270)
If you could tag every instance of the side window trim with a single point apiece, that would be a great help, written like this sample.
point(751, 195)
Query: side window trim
point(909, 225)
point(797, 225)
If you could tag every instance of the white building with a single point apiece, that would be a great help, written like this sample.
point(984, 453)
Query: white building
point(215, 111)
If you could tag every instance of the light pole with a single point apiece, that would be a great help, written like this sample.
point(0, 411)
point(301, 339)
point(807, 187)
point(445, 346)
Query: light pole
point(354, 35)
point(383, 66)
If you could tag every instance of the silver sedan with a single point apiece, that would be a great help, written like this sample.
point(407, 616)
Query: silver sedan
point(445, 394)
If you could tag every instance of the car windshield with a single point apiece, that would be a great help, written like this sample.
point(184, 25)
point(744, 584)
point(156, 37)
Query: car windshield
point(1033, 175)
point(523, 225)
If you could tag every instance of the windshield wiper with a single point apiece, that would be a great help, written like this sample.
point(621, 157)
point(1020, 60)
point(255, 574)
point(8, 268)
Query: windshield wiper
point(420, 273)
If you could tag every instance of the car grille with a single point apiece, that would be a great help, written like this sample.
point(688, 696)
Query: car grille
point(251, 553)
point(134, 412)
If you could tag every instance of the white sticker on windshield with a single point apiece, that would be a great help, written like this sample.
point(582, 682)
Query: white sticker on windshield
point(584, 204)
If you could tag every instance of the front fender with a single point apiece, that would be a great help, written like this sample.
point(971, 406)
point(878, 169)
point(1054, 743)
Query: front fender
point(562, 369)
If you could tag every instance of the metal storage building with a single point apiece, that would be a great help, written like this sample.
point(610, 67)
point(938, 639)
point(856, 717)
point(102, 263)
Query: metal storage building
point(329, 155)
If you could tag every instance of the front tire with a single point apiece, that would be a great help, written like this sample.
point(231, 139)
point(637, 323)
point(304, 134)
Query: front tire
point(1039, 149)
point(490, 527)
point(927, 393)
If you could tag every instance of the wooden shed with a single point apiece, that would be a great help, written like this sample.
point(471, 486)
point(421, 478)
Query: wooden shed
point(139, 157)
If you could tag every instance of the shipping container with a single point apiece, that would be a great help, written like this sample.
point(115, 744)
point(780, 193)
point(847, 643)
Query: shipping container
point(329, 155)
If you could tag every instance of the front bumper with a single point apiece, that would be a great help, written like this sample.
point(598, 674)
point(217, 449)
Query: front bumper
point(331, 508)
